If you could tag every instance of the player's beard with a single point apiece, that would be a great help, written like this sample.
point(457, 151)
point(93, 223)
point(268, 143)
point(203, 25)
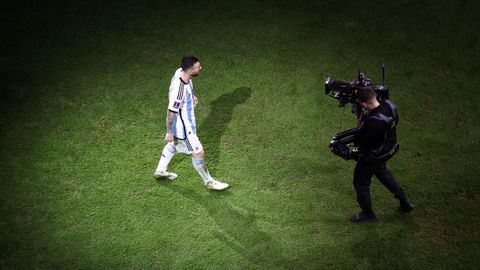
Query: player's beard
point(194, 74)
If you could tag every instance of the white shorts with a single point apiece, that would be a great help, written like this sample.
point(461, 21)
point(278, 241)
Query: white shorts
point(191, 145)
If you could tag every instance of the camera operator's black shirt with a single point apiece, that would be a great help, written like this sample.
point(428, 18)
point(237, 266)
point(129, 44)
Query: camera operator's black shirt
point(372, 134)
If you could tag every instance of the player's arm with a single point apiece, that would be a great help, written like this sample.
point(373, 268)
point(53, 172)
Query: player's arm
point(169, 123)
point(195, 99)
point(170, 117)
point(175, 100)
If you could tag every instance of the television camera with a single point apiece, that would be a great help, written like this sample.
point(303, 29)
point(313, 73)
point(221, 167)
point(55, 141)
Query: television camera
point(346, 92)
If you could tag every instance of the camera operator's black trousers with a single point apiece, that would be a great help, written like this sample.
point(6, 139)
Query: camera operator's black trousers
point(362, 178)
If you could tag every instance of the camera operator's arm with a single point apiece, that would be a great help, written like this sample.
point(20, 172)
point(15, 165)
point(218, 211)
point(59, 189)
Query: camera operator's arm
point(360, 121)
point(370, 135)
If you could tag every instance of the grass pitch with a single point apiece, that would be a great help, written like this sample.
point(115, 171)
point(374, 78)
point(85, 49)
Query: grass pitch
point(83, 102)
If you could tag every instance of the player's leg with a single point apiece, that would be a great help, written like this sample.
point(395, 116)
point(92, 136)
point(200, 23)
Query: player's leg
point(167, 155)
point(198, 161)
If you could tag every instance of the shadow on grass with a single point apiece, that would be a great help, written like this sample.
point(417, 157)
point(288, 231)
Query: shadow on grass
point(237, 230)
point(221, 112)
point(383, 247)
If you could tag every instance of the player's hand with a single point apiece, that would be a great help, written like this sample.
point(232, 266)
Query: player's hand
point(195, 101)
point(169, 137)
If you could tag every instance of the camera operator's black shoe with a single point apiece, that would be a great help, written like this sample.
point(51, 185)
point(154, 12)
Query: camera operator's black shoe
point(406, 207)
point(361, 217)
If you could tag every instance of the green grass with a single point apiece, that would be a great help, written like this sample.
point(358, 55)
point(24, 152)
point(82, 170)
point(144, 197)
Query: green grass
point(83, 102)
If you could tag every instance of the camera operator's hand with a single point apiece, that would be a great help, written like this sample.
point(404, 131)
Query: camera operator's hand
point(360, 122)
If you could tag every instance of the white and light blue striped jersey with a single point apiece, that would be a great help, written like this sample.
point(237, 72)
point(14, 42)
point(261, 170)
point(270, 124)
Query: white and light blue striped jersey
point(181, 100)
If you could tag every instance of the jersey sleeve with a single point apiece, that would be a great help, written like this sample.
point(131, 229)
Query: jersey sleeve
point(175, 96)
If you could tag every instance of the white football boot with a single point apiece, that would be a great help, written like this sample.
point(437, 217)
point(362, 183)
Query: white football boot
point(216, 185)
point(165, 174)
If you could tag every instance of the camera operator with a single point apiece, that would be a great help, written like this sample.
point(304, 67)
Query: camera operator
point(376, 139)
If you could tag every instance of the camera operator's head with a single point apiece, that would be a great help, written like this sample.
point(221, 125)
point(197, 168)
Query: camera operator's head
point(367, 98)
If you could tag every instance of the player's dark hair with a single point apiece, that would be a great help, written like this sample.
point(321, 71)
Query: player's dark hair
point(188, 62)
point(366, 94)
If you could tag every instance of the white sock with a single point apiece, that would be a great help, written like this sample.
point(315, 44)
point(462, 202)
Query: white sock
point(167, 154)
point(199, 165)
